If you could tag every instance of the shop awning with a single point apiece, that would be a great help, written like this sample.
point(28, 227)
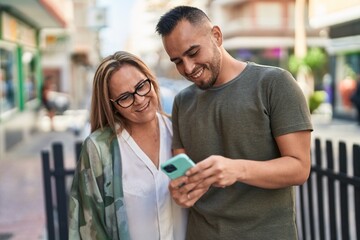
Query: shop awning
point(39, 13)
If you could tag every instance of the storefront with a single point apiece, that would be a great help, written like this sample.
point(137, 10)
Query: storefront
point(8, 77)
point(344, 49)
point(20, 68)
point(341, 19)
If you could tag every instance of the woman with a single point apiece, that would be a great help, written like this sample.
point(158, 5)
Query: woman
point(118, 190)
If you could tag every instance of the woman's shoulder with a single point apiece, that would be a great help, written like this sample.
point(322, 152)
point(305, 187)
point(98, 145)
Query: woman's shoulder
point(100, 136)
point(99, 146)
point(101, 133)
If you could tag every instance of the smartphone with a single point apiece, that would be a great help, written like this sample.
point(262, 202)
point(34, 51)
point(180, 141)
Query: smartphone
point(177, 166)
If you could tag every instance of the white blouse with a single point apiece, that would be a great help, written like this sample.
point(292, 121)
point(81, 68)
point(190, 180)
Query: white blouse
point(151, 212)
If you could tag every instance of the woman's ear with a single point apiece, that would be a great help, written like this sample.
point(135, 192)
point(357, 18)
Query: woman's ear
point(217, 34)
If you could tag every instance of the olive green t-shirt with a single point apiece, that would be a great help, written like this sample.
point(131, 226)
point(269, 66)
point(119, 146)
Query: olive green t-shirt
point(240, 120)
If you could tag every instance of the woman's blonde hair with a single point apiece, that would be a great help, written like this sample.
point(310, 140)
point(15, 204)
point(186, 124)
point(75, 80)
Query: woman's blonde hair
point(102, 112)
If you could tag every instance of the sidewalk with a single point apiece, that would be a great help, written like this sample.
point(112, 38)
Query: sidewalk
point(22, 211)
point(336, 130)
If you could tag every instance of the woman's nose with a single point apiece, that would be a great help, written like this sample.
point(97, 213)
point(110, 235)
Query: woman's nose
point(138, 98)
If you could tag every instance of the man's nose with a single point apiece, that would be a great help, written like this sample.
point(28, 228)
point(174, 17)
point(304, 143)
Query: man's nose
point(188, 66)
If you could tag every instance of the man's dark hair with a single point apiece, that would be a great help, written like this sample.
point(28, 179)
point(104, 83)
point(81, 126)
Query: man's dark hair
point(169, 20)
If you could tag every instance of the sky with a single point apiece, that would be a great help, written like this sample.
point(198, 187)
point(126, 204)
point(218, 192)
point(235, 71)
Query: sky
point(113, 36)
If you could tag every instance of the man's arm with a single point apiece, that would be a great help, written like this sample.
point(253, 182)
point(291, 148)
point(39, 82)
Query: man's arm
point(178, 151)
point(292, 168)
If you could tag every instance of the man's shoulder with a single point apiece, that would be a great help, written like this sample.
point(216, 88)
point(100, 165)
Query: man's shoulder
point(188, 91)
point(269, 73)
point(266, 68)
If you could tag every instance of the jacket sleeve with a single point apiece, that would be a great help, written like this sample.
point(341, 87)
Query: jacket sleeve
point(86, 201)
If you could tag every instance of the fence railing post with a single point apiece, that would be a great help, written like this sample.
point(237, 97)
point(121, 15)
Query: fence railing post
point(45, 157)
point(331, 190)
point(343, 192)
point(327, 222)
point(78, 146)
point(356, 164)
point(319, 186)
point(59, 173)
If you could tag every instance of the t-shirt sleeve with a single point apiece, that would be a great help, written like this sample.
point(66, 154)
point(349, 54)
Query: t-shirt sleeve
point(176, 142)
point(289, 110)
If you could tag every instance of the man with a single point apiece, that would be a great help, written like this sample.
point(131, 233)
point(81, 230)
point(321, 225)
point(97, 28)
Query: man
point(247, 127)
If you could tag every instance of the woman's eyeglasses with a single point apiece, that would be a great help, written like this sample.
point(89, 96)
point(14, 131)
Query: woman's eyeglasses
point(128, 99)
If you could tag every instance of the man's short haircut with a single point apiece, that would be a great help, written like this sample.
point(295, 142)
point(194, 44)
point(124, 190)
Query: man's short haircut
point(169, 20)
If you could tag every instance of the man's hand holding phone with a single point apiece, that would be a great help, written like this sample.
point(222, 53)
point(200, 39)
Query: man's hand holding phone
point(185, 194)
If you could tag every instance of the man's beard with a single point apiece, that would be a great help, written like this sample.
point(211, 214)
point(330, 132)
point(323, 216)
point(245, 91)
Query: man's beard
point(208, 84)
point(214, 69)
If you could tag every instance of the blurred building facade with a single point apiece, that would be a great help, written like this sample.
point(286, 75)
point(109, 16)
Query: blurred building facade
point(21, 23)
point(261, 31)
point(43, 39)
point(341, 19)
point(145, 42)
point(70, 54)
point(267, 32)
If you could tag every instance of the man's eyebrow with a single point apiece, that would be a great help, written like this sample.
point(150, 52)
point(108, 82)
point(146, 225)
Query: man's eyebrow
point(186, 52)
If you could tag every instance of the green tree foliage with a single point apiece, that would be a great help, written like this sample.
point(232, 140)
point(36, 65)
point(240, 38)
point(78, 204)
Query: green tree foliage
point(314, 61)
point(316, 99)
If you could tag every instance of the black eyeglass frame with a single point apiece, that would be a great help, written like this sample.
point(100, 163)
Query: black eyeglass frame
point(132, 94)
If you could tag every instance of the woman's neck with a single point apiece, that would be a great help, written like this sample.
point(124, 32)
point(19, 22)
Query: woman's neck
point(147, 137)
point(143, 128)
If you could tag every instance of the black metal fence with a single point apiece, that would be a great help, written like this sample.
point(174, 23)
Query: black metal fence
point(54, 172)
point(328, 203)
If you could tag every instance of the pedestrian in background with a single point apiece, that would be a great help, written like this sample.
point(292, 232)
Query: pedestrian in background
point(47, 99)
point(118, 190)
point(55, 102)
point(355, 99)
point(248, 128)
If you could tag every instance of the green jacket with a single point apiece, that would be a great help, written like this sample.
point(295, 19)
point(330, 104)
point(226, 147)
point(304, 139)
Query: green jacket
point(96, 204)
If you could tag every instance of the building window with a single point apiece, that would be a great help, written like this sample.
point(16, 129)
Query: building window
point(290, 20)
point(29, 66)
point(7, 79)
point(266, 20)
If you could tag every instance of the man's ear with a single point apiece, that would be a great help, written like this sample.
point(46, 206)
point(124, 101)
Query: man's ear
point(217, 34)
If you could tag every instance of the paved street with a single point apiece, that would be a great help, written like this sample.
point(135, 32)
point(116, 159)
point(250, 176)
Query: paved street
point(22, 214)
point(22, 211)
point(336, 130)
